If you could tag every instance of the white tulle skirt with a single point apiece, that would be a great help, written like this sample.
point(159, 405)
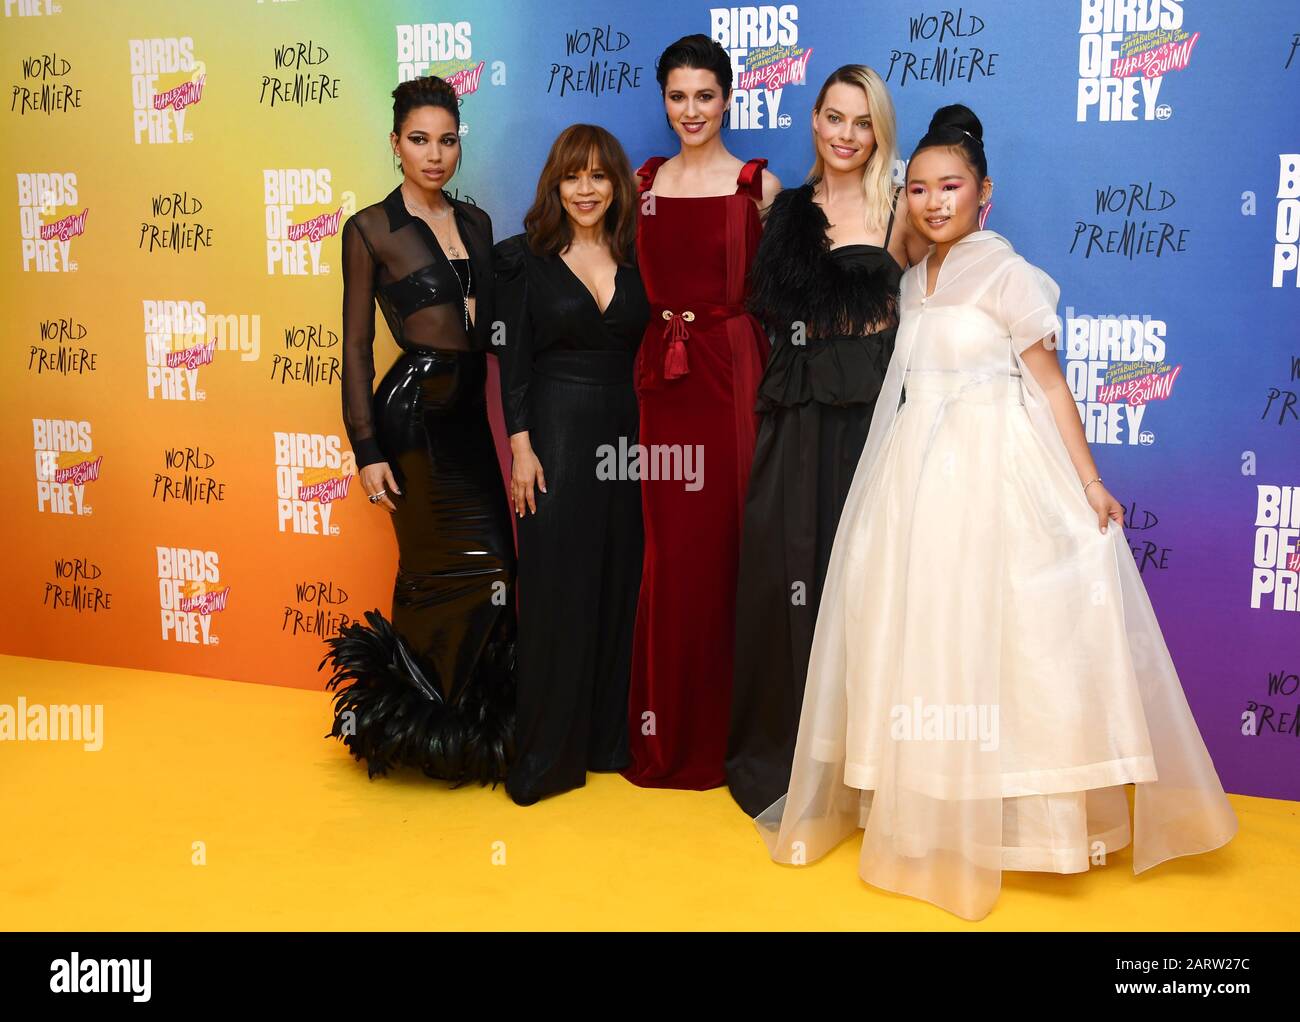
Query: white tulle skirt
point(985, 678)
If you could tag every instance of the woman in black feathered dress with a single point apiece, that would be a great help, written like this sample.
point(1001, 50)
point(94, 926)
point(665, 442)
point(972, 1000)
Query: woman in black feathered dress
point(829, 297)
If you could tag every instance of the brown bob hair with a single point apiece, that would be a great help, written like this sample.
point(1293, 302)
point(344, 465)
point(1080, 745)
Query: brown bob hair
point(547, 224)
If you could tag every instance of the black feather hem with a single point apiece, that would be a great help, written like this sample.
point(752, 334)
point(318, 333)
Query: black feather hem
point(391, 711)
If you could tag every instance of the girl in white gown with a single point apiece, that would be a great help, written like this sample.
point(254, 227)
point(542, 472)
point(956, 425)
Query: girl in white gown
point(987, 672)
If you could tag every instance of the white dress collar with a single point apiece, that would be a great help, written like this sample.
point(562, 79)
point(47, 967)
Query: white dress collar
point(965, 252)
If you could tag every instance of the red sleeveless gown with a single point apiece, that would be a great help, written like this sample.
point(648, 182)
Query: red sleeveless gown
point(697, 374)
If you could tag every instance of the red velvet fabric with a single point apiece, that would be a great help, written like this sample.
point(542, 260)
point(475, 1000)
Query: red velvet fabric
point(696, 379)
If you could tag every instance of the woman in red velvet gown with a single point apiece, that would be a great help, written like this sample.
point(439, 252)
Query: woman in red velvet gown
point(697, 375)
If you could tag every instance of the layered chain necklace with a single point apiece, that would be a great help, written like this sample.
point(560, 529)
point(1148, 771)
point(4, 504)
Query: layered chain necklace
point(450, 250)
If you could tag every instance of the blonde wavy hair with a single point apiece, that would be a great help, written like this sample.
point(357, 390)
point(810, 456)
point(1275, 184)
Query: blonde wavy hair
point(877, 173)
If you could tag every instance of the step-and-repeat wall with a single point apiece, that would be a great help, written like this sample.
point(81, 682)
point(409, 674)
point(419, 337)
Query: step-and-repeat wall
point(180, 493)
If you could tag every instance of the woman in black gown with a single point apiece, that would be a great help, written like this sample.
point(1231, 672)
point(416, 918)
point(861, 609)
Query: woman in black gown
point(434, 689)
point(825, 282)
point(574, 310)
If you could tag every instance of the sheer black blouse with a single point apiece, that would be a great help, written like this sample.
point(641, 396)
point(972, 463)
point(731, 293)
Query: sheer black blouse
point(391, 256)
point(545, 306)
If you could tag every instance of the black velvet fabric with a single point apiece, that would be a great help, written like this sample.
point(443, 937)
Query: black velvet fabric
point(567, 379)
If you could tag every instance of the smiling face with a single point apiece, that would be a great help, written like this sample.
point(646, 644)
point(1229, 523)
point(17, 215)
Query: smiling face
point(695, 104)
point(587, 194)
point(428, 146)
point(842, 128)
point(943, 197)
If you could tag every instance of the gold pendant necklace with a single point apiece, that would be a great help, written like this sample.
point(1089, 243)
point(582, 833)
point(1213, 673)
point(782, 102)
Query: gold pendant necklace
point(450, 247)
point(450, 251)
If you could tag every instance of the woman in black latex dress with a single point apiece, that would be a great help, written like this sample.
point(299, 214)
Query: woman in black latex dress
point(434, 688)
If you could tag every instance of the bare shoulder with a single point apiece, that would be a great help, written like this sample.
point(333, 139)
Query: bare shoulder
point(904, 245)
point(667, 174)
point(771, 186)
point(915, 245)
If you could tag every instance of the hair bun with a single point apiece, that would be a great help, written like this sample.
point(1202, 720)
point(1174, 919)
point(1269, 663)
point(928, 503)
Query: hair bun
point(428, 90)
point(956, 126)
point(957, 117)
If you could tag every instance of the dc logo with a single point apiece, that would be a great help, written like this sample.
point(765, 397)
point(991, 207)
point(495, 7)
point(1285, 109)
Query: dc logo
point(784, 121)
point(1164, 111)
point(1146, 438)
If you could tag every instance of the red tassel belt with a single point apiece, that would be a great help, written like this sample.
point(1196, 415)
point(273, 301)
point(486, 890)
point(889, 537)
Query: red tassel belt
point(677, 330)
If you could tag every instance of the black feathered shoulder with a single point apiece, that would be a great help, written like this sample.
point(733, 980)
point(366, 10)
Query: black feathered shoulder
point(794, 277)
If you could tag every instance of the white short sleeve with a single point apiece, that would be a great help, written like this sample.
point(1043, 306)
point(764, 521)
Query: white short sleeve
point(1027, 304)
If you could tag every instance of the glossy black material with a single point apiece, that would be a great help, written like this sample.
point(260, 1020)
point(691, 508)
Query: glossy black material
point(392, 258)
point(435, 284)
point(437, 689)
point(455, 555)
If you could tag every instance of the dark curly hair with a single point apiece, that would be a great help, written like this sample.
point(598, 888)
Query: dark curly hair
point(695, 51)
point(427, 91)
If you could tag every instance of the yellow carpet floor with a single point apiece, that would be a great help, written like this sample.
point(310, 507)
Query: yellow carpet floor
point(292, 835)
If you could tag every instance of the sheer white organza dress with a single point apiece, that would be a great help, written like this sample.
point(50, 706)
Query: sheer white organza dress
point(987, 672)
